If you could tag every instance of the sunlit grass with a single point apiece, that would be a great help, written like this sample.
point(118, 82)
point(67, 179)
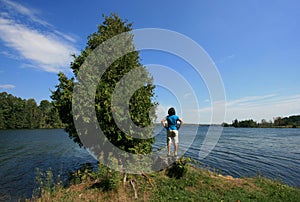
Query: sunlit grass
point(196, 184)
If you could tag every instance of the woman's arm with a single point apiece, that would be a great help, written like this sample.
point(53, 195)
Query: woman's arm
point(163, 122)
point(180, 123)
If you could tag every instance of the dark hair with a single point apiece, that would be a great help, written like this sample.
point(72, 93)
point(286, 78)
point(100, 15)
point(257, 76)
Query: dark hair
point(171, 111)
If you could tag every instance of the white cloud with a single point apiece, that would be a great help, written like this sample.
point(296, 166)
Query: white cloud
point(7, 86)
point(45, 49)
point(65, 36)
point(20, 9)
point(248, 100)
point(253, 107)
point(256, 108)
point(265, 108)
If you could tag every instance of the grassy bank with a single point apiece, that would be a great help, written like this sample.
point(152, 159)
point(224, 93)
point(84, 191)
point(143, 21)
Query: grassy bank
point(196, 184)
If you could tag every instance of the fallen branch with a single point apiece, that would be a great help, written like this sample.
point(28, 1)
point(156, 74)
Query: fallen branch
point(146, 176)
point(135, 191)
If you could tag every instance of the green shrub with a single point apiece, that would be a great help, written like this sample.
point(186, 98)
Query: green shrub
point(178, 168)
point(104, 178)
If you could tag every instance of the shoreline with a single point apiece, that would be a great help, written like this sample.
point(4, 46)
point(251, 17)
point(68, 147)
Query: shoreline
point(197, 184)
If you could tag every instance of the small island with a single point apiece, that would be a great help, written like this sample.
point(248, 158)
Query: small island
point(279, 122)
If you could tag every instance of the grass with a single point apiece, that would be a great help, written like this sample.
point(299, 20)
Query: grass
point(196, 184)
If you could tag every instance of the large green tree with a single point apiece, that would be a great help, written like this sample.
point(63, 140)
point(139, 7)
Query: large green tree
point(140, 104)
point(49, 115)
point(32, 114)
point(12, 111)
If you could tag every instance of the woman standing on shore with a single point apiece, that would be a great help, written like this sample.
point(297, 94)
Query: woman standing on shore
point(172, 129)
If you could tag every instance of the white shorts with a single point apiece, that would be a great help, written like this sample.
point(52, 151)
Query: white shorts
point(172, 135)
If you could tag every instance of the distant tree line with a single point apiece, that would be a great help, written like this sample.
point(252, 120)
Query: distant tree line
point(17, 113)
point(279, 122)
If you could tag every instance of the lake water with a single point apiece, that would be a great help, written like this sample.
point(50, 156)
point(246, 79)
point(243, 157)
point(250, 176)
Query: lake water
point(240, 152)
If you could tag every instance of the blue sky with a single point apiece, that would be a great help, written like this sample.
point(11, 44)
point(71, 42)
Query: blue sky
point(254, 44)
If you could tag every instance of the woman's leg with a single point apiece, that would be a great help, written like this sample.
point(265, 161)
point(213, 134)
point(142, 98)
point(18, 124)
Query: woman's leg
point(176, 142)
point(169, 148)
point(175, 148)
point(169, 142)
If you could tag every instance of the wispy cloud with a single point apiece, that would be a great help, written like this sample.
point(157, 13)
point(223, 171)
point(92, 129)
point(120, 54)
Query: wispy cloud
point(248, 100)
point(7, 86)
point(256, 107)
point(226, 58)
point(45, 48)
point(265, 108)
point(187, 95)
point(20, 9)
point(9, 55)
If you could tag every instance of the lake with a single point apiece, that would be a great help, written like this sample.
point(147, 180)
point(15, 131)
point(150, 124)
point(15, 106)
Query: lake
point(247, 152)
point(240, 152)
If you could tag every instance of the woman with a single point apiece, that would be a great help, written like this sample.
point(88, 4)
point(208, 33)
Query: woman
point(172, 129)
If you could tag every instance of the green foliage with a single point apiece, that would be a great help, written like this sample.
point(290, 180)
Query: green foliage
point(49, 115)
point(83, 174)
point(244, 124)
point(17, 113)
point(62, 101)
point(104, 178)
point(46, 183)
point(291, 121)
point(286, 122)
point(140, 103)
point(178, 168)
point(108, 178)
point(32, 114)
point(265, 124)
point(247, 123)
